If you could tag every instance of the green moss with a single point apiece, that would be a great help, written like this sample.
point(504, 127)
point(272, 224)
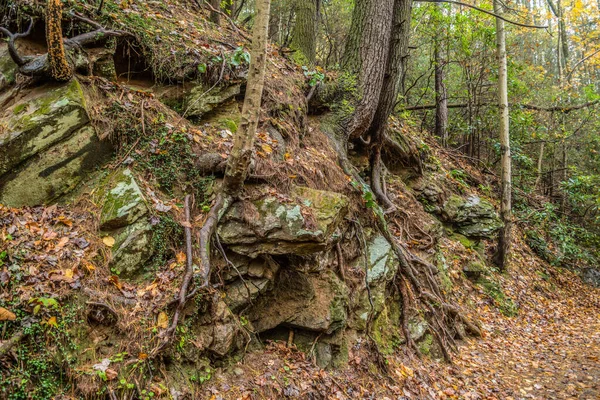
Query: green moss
point(426, 344)
point(228, 124)
point(20, 108)
point(504, 303)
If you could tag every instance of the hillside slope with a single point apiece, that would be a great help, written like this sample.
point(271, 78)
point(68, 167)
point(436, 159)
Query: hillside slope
point(315, 292)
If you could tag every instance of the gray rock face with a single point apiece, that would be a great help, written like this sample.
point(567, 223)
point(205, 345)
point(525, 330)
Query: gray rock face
point(124, 216)
point(591, 276)
point(47, 145)
point(199, 102)
point(305, 301)
point(55, 172)
point(268, 225)
point(472, 216)
point(123, 202)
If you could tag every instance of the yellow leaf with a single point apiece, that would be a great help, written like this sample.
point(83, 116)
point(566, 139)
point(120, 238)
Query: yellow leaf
point(52, 322)
point(109, 241)
point(69, 273)
point(180, 257)
point(163, 320)
point(266, 148)
point(6, 315)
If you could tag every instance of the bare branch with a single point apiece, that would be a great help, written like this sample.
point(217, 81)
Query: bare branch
point(12, 50)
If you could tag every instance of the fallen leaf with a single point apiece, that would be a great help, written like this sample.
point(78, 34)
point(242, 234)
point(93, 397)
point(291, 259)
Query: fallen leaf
point(6, 315)
point(163, 320)
point(109, 241)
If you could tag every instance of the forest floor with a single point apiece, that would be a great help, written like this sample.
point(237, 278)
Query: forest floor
point(550, 350)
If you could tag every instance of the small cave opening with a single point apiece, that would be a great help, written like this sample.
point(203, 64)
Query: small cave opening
point(131, 65)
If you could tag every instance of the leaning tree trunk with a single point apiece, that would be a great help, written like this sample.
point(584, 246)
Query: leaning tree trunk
point(60, 69)
point(304, 35)
point(239, 160)
point(366, 57)
point(391, 88)
point(504, 239)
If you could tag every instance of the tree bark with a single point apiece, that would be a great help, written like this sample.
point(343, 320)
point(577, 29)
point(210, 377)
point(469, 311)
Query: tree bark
point(60, 69)
point(504, 239)
point(538, 179)
point(239, 160)
point(304, 35)
point(215, 17)
point(441, 98)
point(366, 56)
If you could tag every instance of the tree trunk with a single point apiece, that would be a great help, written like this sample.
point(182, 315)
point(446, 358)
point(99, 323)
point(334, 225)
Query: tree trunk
point(239, 160)
point(538, 179)
point(60, 69)
point(441, 99)
point(504, 240)
point(215, 17)
point(366, 56)
point(304, 35)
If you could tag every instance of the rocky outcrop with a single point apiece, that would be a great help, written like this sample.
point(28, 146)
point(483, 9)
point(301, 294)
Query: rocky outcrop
point(47, 145)
point(382, 265)
point(472, 217)
point(312, 302)
point(303, 224)
point(199, 102)
point(124, 217)
point(591, 276)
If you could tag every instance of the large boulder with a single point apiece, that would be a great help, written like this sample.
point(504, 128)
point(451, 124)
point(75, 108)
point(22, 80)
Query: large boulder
point(473, 216)
point(55, 172)
point(124, 217)
point(200, 102)
point(47, 145)
point(382, 265)
point(303, 224)
point(43, 117)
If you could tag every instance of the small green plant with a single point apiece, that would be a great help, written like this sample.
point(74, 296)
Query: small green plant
point(314, 77)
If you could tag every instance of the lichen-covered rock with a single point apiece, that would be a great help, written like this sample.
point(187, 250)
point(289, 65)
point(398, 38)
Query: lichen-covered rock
point(55, 172)
point(8, 68)
point(269, 225)
point(132, 248)
point(123, 202)
point(42, 118)
point(305, 301)
point(473, 216)
point(241, 293)
point(474, 269)
point(199, 102)
point(382, 266)
point(591, 276)
point(124, 216)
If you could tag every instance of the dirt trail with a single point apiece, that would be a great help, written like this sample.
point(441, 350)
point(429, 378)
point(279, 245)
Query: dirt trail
point(550, 350)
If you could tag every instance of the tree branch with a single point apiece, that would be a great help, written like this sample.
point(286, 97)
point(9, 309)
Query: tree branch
point(485, 12)
point(12, 50)
point(561, 109)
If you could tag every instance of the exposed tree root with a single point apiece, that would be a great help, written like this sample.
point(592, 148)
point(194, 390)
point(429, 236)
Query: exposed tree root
point(10, 343)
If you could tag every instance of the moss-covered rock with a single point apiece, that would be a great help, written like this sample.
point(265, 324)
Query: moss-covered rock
point(472, 217)
point(199, 102)
point(123, 202)
point(40, 119)
point(474, 269)
point(269, 225)
point(55, 172)
point(8, 68)
point(132, 248)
